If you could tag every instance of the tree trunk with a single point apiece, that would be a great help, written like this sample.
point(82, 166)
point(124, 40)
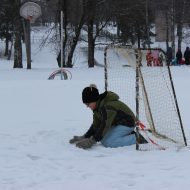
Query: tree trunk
point(28, 43)
point(179, 33)
point(180, 24)
point(7, 39)
point(167, 31)
point(6, 46)
point(90, 44)
point(18, 37)
point(91, 10)
point(65, 23)
point(17, 51)
point(138, 36)
point(75, 40)
point(147, 23)
point(173, 28)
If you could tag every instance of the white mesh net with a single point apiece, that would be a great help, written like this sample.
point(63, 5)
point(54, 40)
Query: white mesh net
point(157, 107)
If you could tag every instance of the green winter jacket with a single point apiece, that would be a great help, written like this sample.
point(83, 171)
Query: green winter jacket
point(109, 112)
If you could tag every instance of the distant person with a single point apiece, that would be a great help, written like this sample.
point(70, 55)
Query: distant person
point(149, 58)
point(187, 56)
point(169, 55)
point(155, 55)
point(161, 58)
point(179, 57)
point(113, 121)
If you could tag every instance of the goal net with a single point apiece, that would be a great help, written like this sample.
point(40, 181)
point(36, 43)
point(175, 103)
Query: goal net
point(143, 81)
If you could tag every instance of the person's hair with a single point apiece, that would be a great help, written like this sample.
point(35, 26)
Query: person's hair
point(90, 94)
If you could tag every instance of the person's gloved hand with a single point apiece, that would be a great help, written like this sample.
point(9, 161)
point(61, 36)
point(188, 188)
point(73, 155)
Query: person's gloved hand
point(75, 139)
point(86, 143)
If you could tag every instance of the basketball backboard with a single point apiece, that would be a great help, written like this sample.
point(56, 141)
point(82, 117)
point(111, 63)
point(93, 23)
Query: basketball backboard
point(30, 11)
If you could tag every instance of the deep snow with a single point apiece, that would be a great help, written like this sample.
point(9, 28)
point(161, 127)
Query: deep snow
point(39, 116)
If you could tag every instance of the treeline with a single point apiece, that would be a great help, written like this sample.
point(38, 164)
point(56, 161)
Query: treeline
point(133, 21)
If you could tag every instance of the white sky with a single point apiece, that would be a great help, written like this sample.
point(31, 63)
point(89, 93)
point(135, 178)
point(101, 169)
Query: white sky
point(39, 116)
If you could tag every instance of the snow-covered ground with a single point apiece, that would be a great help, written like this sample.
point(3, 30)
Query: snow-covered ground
point(39, 116)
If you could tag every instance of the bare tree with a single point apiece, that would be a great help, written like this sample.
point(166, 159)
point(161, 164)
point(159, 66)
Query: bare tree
point(91, 6)
point(17, 34)
point(97, 19)
point(71, 28)
point(180, 13)
point(75, 40)
point(6, 24)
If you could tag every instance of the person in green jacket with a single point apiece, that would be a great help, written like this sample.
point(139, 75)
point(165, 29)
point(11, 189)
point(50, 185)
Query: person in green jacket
point(113, 121)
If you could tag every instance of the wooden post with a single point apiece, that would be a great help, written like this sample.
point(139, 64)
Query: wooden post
point(61, 45)
point(28, 44)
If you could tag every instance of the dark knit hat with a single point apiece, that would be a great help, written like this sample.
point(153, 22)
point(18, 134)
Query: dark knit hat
point(90, 94)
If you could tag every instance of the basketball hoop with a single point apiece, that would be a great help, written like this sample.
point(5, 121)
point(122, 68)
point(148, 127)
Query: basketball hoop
point(30, 11)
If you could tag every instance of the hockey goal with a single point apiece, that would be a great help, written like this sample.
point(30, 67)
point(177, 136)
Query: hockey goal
point(143, 80)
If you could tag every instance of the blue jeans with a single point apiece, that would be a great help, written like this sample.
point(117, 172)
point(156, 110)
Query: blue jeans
point(119, 136)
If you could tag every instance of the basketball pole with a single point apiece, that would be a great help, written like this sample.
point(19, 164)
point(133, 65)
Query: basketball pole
point(61, 45)
point(30, 11)
point(28, 32)
point(26, 26)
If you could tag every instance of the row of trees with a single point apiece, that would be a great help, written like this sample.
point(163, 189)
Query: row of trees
point(133, 20)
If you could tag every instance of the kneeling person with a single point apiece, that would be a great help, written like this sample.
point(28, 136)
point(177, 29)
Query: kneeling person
point(113, 121)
